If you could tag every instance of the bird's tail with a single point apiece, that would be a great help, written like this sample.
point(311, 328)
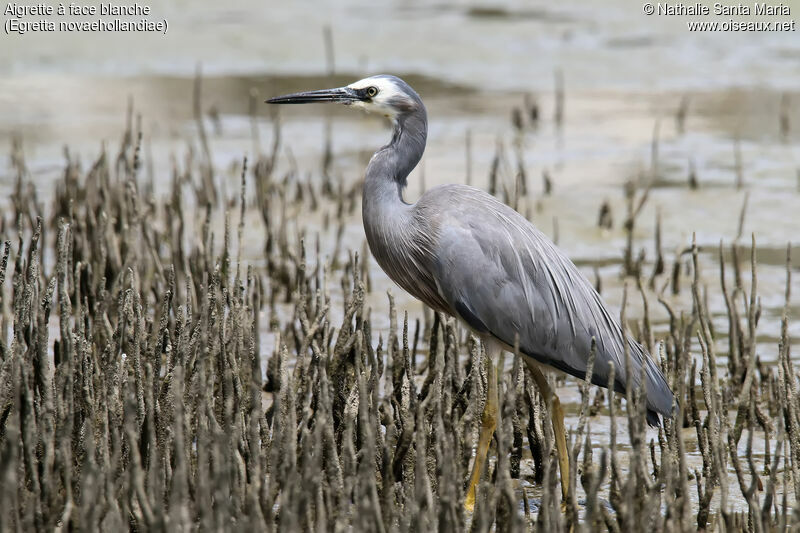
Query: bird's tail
point(659, 396)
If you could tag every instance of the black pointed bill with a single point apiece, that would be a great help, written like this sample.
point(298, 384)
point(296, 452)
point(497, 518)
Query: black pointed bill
point(344, 95)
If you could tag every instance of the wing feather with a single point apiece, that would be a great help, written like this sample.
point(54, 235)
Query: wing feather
point(500, 274)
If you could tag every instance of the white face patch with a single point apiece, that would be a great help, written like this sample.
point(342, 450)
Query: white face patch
point(381, 102)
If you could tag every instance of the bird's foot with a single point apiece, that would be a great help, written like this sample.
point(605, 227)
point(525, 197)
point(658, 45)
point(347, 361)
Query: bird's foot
point(469, 503)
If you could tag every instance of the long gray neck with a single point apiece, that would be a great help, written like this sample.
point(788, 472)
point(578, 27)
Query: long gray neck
point(389, 168)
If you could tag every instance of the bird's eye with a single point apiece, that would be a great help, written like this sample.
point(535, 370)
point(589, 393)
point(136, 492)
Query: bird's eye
point(372, 91)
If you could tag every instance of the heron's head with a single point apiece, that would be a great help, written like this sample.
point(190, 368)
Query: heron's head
point(387, 95)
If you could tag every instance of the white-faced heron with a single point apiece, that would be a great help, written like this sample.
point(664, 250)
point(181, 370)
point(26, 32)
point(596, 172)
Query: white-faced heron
point(464, 253)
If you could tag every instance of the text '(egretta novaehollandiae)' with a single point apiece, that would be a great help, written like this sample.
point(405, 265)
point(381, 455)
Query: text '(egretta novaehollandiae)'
point(464, 253)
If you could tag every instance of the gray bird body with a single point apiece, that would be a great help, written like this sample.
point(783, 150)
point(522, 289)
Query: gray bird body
point(477, 259)
point(464, 253)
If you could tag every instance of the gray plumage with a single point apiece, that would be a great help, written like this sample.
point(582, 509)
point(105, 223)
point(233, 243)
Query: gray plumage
point(462, 252)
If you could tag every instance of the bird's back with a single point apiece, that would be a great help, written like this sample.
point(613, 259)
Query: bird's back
point(506, 279)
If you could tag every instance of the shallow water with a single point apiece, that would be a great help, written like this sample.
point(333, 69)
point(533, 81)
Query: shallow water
point(511, 44)
point(625, 77)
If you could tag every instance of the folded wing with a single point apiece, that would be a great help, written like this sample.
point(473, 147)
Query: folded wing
point(505, 278)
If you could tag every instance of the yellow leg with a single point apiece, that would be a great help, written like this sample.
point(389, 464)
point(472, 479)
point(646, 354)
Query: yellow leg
point(488, 425)
point(557, 417)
